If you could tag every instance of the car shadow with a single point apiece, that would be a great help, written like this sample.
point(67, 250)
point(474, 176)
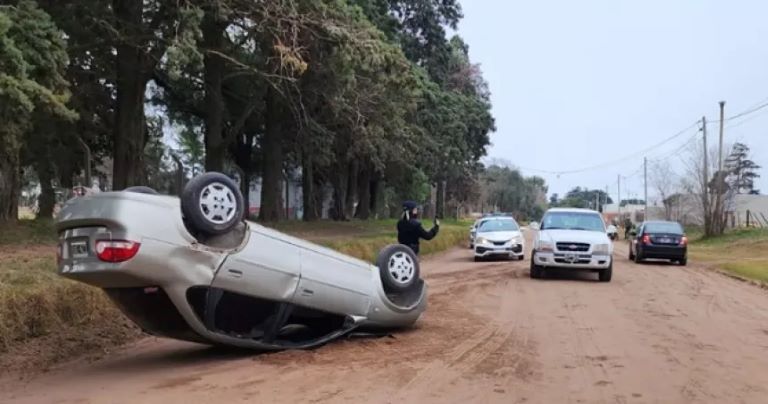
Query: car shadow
point(554, 274)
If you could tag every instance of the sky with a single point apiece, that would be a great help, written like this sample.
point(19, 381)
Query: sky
point(576, 84)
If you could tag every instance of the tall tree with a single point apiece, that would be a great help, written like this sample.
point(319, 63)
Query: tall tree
point(742, 171)
point(32, 63)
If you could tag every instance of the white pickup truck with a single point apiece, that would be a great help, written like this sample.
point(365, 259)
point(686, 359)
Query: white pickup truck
point(572, 239)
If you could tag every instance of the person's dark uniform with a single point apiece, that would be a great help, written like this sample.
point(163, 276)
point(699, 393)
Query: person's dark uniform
point(410, 230)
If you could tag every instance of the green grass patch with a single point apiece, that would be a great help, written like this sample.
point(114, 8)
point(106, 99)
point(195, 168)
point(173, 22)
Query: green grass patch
point(734, 236)
point(28, 232)
point(741, 252)
point(756, 270)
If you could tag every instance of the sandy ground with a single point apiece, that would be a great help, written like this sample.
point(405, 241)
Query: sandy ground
point(657, 333)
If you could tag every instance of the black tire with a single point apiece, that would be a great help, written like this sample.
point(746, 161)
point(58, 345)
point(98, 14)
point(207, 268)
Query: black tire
point(606, 274)
point(631, 255)
point(216, 216)
point(398, 267)
point(140, 189)
point(683, 262)
point(638, 258)
point(522, 257)
point(536, 271)
point(478, 259)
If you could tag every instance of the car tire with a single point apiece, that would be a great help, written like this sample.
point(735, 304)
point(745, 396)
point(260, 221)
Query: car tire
point(140, 189)
point(631, 256)
point(212, 204)
point(605, 275)
point(537, 272)
point(522, 258)
point(638, 258)
point(683, 262)
point(478, 259)
point(398, 267)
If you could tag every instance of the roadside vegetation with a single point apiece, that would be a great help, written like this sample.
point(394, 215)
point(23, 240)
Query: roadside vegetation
point(45, 318)
point(740, 252)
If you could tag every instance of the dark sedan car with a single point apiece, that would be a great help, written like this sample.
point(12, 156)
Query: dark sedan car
point(659, 240)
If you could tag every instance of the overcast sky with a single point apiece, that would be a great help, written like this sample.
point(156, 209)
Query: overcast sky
point(579, 83)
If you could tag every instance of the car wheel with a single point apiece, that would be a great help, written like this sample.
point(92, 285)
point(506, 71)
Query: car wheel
point(212, 203)
point(683, 262)
point(398, 267)
point(522, 258)
point(471, 246)
point(537, 272)
point(606, 274)
point(140, 189)
point(638, 258)
point(631, 255)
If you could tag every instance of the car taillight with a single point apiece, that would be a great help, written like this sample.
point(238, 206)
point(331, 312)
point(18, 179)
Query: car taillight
point(116, 250)
point(646, 239)
point(684, 241)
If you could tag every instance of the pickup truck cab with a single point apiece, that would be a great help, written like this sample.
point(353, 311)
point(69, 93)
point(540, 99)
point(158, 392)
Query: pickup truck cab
point(572, 239)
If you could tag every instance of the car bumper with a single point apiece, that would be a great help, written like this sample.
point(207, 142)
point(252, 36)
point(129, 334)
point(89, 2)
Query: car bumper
point(581, 261)
point(511, 250)
point(664, 252)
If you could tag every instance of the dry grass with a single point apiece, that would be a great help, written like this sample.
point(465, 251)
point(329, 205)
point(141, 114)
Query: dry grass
point(742, 252)
point(45, 318)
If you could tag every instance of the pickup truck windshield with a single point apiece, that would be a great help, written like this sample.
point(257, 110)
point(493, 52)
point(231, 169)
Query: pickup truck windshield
point(573, 221)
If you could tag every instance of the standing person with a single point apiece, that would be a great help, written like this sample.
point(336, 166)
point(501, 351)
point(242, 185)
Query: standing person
point(409, 229)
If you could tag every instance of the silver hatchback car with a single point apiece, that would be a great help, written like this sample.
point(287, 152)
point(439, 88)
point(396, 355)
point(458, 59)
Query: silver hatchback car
point(190, 268)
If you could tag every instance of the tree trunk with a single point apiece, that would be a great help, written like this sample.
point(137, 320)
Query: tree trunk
point(44, 169)
point(243, 152)
point(339, 182)
point(272, 150)
point(440, 199)
point(213, 40)
point(363, 210)
point(10, 184)
point(352, 186)
point(129, 129)
point(308, 188)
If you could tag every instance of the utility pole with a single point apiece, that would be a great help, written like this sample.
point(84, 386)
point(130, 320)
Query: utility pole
point(720, 226)
point(705, 180)
point(618, 202)
point(645, 182)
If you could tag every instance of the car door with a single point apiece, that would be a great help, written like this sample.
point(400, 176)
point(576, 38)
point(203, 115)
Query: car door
point(333, 282)
point(268, 267)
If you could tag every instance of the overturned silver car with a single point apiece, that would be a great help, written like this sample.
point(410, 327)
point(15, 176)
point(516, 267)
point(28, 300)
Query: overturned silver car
point(190, 268)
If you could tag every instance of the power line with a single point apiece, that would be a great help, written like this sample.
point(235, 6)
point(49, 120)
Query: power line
point(619, 160)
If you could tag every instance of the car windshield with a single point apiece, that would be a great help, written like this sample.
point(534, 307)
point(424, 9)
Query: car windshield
point(573, 221)
point(498, 225)
point(664, 227)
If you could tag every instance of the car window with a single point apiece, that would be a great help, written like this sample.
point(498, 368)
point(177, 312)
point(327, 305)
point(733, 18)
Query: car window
point(573, 221)
point(499, 225)
point(663, 227)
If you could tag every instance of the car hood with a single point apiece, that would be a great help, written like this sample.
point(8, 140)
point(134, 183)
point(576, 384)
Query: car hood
point(499, 235)
point(583, 236)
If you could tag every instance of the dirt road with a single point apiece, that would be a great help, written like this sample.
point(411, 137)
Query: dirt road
point(657, 333)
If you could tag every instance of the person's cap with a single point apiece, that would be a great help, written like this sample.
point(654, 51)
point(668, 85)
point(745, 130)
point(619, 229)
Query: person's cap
point(410, 205)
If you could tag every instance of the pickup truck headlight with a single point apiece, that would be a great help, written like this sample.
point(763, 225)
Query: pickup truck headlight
point(600, 249)
point(545, 246)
